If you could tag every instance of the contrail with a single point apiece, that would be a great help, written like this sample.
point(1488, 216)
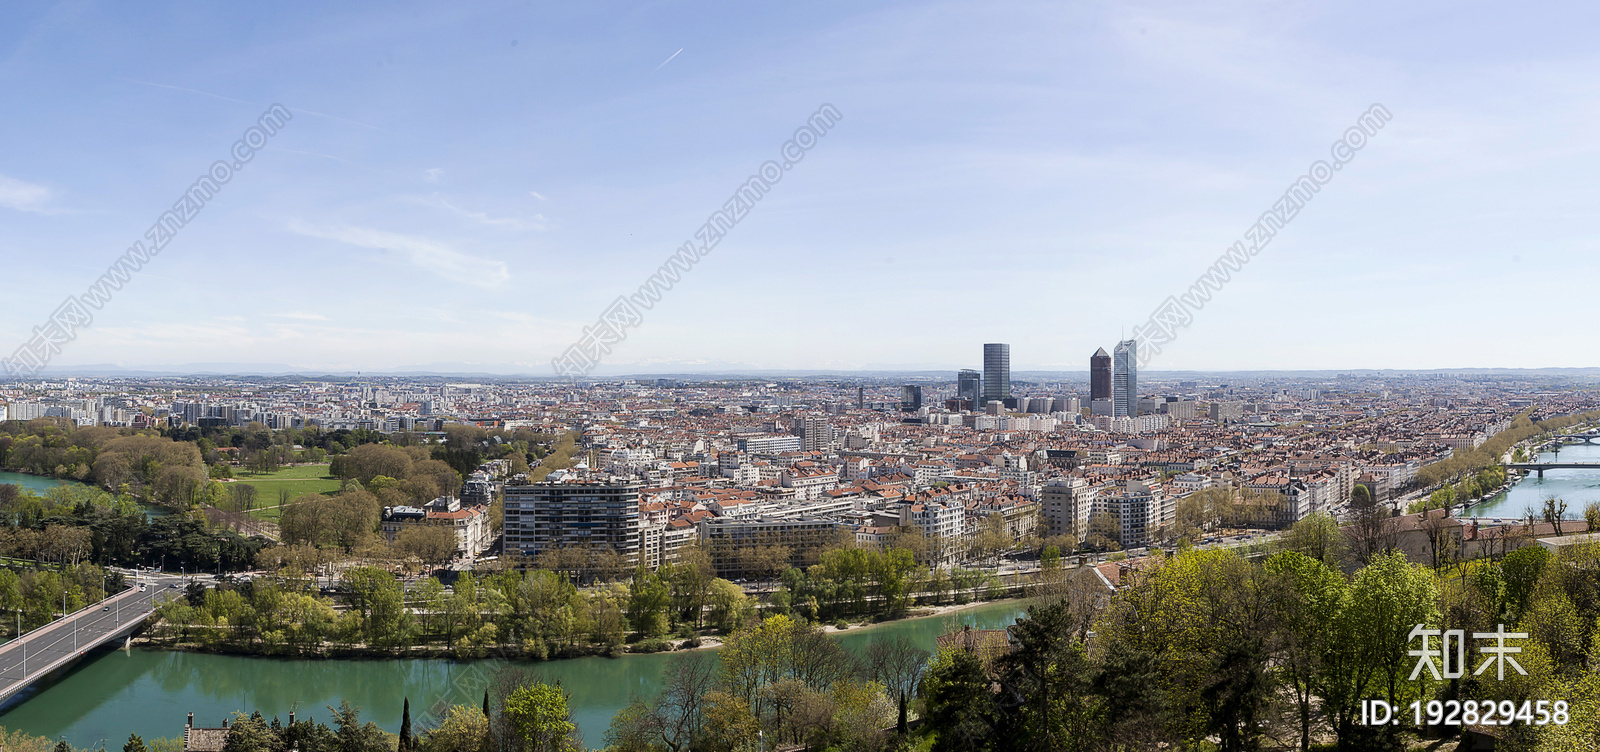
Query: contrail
point(668, 60)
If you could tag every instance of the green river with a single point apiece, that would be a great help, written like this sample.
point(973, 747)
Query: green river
point(149, 692)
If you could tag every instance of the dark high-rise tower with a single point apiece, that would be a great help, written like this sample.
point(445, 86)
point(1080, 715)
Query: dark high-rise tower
point(969, 386)
point(1099, 375)
point(910, 398)
point(996, 372)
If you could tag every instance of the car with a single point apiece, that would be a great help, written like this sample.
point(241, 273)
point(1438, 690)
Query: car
point(105, 608)
point(174, 586)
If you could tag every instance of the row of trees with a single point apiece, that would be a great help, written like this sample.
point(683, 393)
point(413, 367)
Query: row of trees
point(31, 598)
point(1467, 463)
point(71, 524)
point(536, 613)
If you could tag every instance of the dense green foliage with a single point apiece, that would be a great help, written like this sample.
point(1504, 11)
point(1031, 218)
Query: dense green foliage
point(1208, 646)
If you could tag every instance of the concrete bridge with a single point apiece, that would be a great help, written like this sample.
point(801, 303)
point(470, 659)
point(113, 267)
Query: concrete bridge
point(1540, 467)
point(53, 646)
point(1590, 437)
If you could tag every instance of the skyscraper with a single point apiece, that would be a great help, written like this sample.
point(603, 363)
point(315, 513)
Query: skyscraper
point(1099, 375)
point(969, 386)
point(997, 372)
point(1125, 380)
point(910, 398)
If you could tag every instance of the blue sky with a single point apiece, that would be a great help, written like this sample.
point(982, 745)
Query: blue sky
point(469, 184)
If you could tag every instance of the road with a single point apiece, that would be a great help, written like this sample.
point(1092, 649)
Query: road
point(53, 645)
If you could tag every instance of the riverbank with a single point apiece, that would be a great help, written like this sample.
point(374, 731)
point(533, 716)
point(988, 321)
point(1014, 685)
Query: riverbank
point(150, 691)
point(154, 638)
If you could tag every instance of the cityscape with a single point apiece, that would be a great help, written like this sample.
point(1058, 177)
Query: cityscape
point(885, 376)
point(680, 510)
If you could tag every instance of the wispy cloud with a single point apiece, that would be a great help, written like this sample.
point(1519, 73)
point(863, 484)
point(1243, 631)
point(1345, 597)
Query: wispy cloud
point(668, 60)
point(21, 196)
point(191, 91)
point(537, 222)
point(424, 253)
point(432, 174)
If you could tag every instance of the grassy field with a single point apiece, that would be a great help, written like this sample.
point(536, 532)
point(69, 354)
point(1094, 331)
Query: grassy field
point(296, 479)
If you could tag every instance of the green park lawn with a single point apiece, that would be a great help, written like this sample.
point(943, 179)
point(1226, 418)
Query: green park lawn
point(296, 479)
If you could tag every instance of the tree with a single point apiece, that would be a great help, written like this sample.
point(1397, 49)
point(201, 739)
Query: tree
point(538, 714)
point(1591, 515)
point(730, 607)
point(463, 729)
point(1388, 598)
point(677, 718)
point(959, 705)
point(355, 736)
point(777, 650)
point(1317, 536)
point(1045, 681)
point(1522, 569)
point(1555, 510)
point(1442, 533)
point(135, 743)
point(633, 729)
point(730, 724)
point(405, 727)
point(378, 605)
point(249, 734)
point(1372, 532)
point(433, 544)
point(897, 664)
point(691, 578)
point(1314, 598)
point(1361, 497)
point(648, 599)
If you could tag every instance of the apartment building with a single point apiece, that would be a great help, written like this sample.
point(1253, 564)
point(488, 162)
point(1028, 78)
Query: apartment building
point(583, 512)
point(1067, 504)
point(729, 541)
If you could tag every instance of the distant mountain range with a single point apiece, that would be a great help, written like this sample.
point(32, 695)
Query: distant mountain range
point(740, 370)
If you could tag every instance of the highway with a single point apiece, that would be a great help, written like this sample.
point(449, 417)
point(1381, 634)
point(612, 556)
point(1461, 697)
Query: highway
point(56, 644)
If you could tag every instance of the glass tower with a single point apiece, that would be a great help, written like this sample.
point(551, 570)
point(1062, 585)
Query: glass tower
point(996, 372)
point(969, 386)
point(1125, 380)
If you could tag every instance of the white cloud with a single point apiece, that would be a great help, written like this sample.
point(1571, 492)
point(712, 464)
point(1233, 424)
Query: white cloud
point(425, 253)
point(432, 174)
point(537, 223)
point(15, 194)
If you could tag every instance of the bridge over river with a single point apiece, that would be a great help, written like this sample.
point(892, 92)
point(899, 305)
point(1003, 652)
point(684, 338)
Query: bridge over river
point(53, 646)
point(1540, 467)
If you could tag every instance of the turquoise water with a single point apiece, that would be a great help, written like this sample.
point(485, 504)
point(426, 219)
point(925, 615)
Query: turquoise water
point(40, 484)
point(1576, 487)
point(149, 692)
point(34, 483)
